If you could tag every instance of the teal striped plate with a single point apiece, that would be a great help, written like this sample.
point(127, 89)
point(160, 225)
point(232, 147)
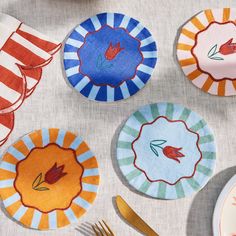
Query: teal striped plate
point(166, 151)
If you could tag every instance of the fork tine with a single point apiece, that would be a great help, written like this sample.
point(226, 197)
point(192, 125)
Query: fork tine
point(108, 227)
point(95, 231)
point(107, 233)
point(99, 230)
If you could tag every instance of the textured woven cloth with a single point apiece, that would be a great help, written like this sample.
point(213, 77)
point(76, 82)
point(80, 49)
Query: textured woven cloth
point(54, 104)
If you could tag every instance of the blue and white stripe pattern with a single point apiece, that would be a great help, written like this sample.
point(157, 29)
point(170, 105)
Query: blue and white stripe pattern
point(105, 92)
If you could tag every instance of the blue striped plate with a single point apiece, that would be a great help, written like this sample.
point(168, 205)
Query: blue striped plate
point(109, 57)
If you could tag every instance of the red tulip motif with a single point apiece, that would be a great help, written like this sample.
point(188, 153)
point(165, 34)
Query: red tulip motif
point(169, 151)
point(54, 174)
point(112, 51)
point(228, 48)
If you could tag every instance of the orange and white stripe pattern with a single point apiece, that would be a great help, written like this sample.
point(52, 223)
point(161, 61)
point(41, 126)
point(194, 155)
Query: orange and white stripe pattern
point(29, 216)
point(23, 54)
point(188, 62)
point(6, 126)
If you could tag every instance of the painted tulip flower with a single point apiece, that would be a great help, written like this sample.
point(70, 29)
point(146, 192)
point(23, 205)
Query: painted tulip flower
point(113, 51)
point(173, 153)
point(228, 47)
point(54, 174)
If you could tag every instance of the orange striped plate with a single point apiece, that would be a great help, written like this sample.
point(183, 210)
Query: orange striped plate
point(48, 179)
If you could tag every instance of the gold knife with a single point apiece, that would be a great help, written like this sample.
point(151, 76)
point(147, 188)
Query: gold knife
point(131, 217)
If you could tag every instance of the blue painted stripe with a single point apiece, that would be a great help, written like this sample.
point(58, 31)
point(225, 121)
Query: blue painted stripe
point(12, 199)
point(124, 90)
point(36, 219)
point(93, 93)
point(110, 19)
point(28, 142)
point(71, 64)
point(45, 136)
point(20, 212)
point(60, 137)
point(88, 25)
point(76, 143)
point(17, 154)
point(8, 166)
point(124, 23)
point(81, 30)
point(52, 220)
point(82, 83)
point(73, 42)
point(70, 215)
point(145, 69)
point(6, 183)
point(90, 172)
point(82, 203)
point(85, 156)
point(110, 94)
point(96, 22)
point(89, 187)
point(72, 71)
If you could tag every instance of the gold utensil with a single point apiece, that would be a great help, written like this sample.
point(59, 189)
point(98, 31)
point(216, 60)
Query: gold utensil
point(102, 229)
point(132, 218)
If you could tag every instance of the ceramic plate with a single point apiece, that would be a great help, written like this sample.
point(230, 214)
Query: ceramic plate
point(48, 179)
point(225, 211)
point(166, 151)
point(206, 51)
point(109, 57)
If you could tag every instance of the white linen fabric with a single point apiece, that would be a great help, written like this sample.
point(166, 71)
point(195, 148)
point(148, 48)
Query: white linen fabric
point(55, 104)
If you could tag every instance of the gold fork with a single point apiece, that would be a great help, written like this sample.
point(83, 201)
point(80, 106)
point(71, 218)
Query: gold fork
point(103, 230)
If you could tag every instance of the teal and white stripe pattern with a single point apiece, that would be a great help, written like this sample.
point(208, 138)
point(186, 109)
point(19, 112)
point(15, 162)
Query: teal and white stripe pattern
point(160, 189)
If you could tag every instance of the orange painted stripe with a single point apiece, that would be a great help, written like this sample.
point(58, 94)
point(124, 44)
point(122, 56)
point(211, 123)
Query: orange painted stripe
point(36, 138)
point(7, 192)
point(184, 47)
point(27, 217)
point(209, 15)
point(44, 222)
point(197, 23)
point(207, 84)
point(43, 44)
point(221, 88)
point(22, 54)
point(14, 207)
point(188, 33)
point(69, 138)
point(78, 211)
point(234, 84)
point(53, 133)
point(21, 147)
point(193, 75)
point(88, 196)
point(226, 14)
point(10, 158)
point(91, 163)
point(4, 174)
point(187, 62)
point(62, 219)
point(91, 180)
point(83, 147)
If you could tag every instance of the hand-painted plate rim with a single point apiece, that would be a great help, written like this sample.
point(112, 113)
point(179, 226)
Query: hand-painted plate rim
point(107, 93)
point(220, 204)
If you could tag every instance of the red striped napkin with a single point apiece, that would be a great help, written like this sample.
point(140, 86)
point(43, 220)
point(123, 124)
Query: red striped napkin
point(23, 54)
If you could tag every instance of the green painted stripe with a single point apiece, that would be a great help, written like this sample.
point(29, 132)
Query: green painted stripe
point(170, 110)
point(204, 170)
point(139, 116)
point(128, 130)
point(161, 190)
point(206, 139)
point(124, 145)
point(133, 174)
point(185, 114)
point(199, 125)
point(194, 184)
point(144, 187)
point(209, 155)
point(154, 110)
point(179, 190)
point(126, 161)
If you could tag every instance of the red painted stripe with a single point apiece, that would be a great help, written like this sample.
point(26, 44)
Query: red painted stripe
point(4, 103)
point(22, 54)
point(7, 120)
point(11, 80)
point(43, 44)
